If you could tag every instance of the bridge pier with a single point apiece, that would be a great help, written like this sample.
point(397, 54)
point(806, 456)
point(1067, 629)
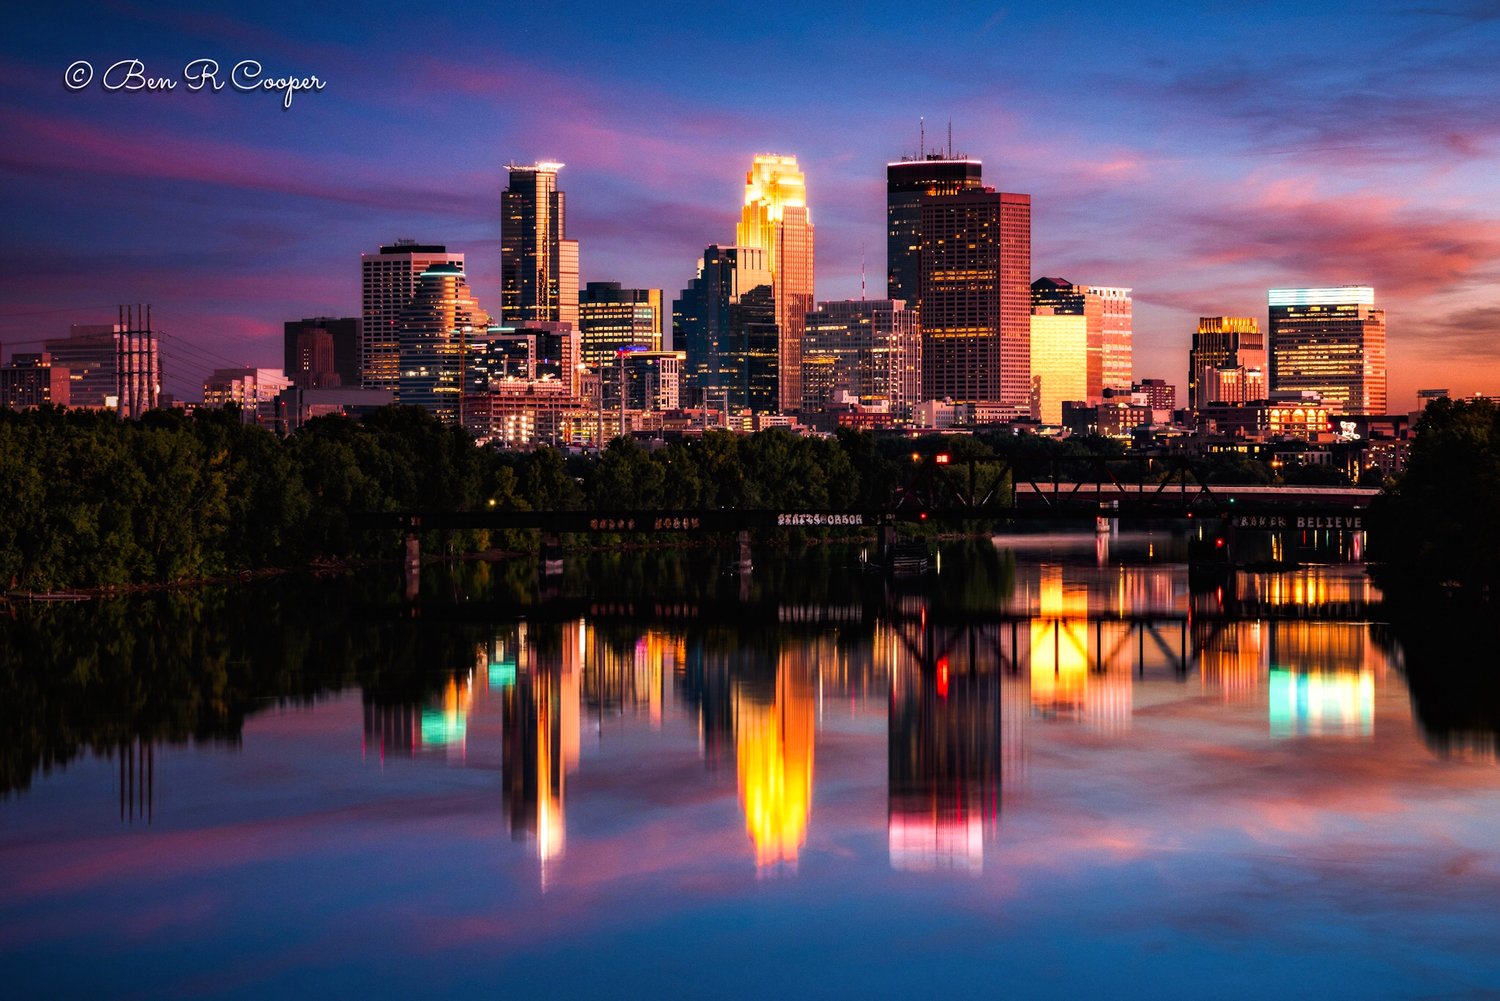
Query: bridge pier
point(742, 559)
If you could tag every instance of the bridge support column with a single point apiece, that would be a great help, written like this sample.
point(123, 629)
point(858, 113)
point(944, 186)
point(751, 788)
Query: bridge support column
point(552, 554)
point(412, 564)
point(742, 560)
point(887, 545)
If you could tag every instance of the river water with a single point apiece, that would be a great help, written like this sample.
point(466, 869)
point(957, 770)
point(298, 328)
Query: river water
point(1055, 766)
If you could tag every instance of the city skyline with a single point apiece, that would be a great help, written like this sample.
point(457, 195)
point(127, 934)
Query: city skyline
point(1199, 184)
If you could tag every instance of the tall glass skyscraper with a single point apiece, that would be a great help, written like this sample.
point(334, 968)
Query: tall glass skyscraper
point(1331, 341)
point(775, 219)
point(438, 329)
point(974, 297)
point(725, 322)
point(388, 280)
point(907, 181)
point(1108, 312)
point(538, 263)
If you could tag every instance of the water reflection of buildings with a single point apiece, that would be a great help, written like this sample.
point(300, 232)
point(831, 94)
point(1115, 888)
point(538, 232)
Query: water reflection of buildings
point(774, 753)
point(1081, 666)
point(1319, 676)
point(945, 764)
point(540, 731)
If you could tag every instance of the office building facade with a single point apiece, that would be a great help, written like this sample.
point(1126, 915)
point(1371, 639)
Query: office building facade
point(437, 332)
point(1228, 356)
point(327, 356)
point(1330, 341)
point(538, 263)
point(388, 280)
point(725, 323)
point(775, 219)
point(1059, 354)
point(870, 350)
point(907, 183)
point(611, 318)
point(112, 365)
point(974, 298)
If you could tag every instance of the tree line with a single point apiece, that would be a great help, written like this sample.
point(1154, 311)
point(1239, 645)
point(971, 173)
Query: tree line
point(93, 502)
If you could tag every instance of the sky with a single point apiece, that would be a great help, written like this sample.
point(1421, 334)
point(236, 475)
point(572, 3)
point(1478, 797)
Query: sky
point(1199, 154)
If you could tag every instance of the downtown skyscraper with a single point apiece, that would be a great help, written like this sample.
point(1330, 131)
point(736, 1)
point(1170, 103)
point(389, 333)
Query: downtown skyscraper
point(538, 263)
point(1227, 359)
point(437, 331)
point(725, 322)
point(775, 219)
point(1108, 314)
point(1330, 341)
point(388, 280)
point(959, 253)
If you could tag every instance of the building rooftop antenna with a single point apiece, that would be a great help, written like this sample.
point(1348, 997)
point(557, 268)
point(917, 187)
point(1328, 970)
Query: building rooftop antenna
point(950, 138)
point(921, 138)
point(861, 271)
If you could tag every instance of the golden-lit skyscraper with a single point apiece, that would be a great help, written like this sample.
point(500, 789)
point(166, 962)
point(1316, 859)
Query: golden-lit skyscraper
point(1109, 313)
point(775, 219)
point(1059, 348)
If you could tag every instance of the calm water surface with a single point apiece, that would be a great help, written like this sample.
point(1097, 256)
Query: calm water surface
point(1056, 767)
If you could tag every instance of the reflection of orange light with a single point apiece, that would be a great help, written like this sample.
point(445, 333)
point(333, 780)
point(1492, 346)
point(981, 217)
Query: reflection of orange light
point(775, 750)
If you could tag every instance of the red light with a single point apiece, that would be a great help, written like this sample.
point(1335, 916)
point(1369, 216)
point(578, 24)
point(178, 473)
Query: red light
point(1218, 543)
point(942, 677)
point(922, 516)
point(942, 458)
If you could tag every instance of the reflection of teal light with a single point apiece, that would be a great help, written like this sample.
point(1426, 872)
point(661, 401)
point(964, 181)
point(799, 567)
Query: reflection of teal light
point(439, 729)
point(1320, 702)
point(502, 673)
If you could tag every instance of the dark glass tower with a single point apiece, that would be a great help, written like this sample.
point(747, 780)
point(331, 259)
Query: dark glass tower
point(725, 321)
point(906, 181)
point(538, 263)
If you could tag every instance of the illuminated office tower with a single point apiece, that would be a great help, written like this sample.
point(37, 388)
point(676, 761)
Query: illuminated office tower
point(1059, 352)
point(388, 281)
point(1234, 346)
point(974, 297)
point(725, 323)
point(437, 331)
point(1330, 341)
point(1116, 336)
point(611, 318)
point(775, 219)
point(907, 181)
point(870, 349)
point(1108, 314)
point(538, 263)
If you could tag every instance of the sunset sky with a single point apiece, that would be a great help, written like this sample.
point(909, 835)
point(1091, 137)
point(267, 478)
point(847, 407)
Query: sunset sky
point(1199, 154)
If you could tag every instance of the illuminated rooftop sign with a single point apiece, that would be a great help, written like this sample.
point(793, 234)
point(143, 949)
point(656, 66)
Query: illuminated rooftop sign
point(1341, 295)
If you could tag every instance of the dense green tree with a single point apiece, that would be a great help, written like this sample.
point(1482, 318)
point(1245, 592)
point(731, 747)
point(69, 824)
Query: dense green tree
point(1441, 523)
